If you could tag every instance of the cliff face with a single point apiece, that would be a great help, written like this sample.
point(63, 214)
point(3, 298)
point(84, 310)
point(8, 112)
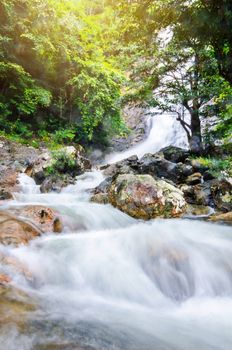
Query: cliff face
point(135, 120)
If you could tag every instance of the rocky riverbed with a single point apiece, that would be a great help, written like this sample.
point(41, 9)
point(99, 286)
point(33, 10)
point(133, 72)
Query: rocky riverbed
point(168, 184)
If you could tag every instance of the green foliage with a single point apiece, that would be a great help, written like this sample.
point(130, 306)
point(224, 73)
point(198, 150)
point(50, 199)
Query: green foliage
point(224, 129)
point(63, 136)
point(62, 163)
point(19, 95)
point(53, 65)
point(97, 90)
point(63, 64)
point(219, 167)
point(32, 99)
point(188, 71)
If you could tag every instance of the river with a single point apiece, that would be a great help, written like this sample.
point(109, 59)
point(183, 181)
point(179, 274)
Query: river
point(109, 282)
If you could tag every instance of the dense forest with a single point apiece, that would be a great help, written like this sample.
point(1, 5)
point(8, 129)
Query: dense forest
point(68, 67)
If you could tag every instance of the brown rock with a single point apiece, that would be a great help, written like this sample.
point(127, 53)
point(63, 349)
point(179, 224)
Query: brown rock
point(4, 279)
point(15, 231)
point(143, 197)
point(222, 194)
point(100, 198)
point(194, 179)
point(21, 225)
point(45, 218)
point(226, 217)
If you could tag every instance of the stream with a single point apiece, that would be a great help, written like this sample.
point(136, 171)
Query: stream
point(109, 282)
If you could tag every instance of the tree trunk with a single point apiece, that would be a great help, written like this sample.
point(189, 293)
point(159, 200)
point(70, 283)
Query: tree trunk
point(195, 140)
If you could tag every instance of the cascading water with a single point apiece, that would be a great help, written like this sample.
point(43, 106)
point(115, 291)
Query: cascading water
point(109, 282)
point(164, 131)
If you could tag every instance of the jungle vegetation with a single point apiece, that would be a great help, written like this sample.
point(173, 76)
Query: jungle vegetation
point(67, 67)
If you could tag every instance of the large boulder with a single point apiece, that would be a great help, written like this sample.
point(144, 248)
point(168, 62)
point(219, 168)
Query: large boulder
point(15, 231)
point(59, 169)
point(21, 225)
point(175, 154)
point(54, 183)
point(155, 165)
point(198, 166)
point(126, 166)
point(143, 197)
point(16, 156)
point(46, 218)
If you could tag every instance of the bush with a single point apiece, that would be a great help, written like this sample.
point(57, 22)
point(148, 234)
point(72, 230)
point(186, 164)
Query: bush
point(219, 167)
point(62, 163)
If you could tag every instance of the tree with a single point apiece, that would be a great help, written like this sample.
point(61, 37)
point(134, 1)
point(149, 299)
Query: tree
point(188, 82)
point(184, 73)
point(59, 45)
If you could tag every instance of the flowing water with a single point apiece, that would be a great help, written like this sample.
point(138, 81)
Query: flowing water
point(109, 282)
point(164, 131)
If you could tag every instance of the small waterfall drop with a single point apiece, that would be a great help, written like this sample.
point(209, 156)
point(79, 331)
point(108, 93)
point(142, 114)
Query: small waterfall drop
point(164, 130)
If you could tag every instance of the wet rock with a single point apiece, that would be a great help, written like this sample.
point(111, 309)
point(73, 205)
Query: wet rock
point(143, 197)
point(222, 194)
point(47, 185)
point(100, 193)
point(198, 166)
point(154, 165)
point(126, 166)
point(225, 217)
point(207, 176)
point(46, 218)
point(40, 177)
point(199, 211)
point(84, 164)
point(194, 179)
point(100, 198)
point(16, 156)
point(61, 169)
point(198, 194)
point(15, 231)
point(20, 226)
point(175, 154)
point(115, 169)
point(54, 183)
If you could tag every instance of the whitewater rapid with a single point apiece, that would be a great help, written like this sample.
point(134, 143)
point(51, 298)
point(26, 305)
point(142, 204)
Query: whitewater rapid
point(109, 282)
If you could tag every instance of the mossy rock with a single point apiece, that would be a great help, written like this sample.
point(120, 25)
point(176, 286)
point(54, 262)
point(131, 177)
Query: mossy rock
point(143, 197)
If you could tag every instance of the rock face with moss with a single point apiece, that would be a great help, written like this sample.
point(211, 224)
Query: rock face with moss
point(143, 197)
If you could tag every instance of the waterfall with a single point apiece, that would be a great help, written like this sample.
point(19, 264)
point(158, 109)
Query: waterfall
point(164, 131)
point(109, 282)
